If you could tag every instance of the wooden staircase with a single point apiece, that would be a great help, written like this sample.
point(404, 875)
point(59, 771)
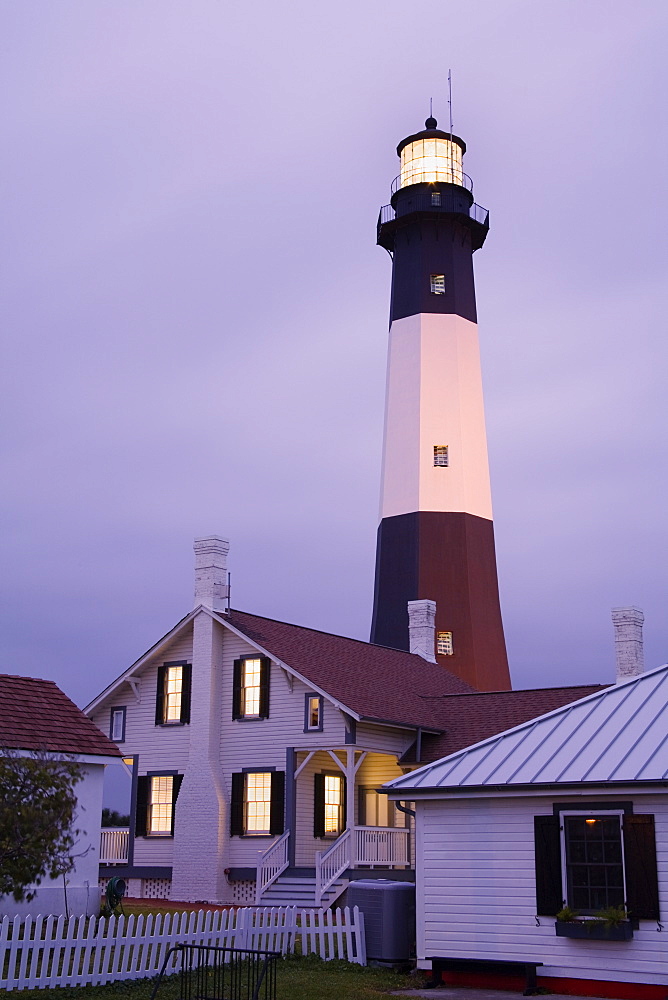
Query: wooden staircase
point(290, 890)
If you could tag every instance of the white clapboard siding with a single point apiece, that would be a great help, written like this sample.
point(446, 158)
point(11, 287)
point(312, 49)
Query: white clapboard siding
point(385, 738)
point(476, 890)
point(46, 952)
point(263, 742)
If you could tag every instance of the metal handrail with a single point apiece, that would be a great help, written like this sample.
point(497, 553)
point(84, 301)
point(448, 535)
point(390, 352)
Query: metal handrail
point(451, 175)
point(271, 864)
point(331, 863)
point(423, 203)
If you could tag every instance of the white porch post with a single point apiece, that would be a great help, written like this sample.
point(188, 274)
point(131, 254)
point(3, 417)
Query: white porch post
point(351, 771)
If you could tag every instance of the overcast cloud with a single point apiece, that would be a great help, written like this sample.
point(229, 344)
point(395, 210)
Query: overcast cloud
point(195, 311)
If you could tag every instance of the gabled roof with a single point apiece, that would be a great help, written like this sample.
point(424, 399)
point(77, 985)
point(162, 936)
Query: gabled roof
point(375, 682)
point(619, 734)
point(36, 715)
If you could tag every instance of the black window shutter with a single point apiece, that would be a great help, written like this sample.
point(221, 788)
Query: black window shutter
point(264, 687)
point(642, 883)
point(160, 697)
point(236, 689)
point(549, 898)
point(186, 685)
point(319, 805)
point(277, 806)
point(176, 785)
point(237, 804)
point(141, 809)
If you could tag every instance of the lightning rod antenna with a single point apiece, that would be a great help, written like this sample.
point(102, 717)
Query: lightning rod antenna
point(450, 100)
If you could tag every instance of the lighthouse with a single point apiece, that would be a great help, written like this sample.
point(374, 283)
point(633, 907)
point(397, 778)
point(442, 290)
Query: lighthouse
point(436, 535)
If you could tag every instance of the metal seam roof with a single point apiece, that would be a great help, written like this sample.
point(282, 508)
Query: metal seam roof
point(620, 734)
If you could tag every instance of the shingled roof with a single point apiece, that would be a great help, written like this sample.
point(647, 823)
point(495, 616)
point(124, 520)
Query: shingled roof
point(470, 718)
point(393, 686)
point(36, 715)
point(376, 682)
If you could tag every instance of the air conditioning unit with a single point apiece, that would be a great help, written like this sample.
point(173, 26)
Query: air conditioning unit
point(389, 918)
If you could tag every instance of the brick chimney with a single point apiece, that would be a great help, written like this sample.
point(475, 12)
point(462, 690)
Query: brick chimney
point(627, 623)
point(211, 572)
point(422, 629)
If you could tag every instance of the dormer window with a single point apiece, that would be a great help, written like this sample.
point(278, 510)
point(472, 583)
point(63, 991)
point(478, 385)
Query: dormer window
point(437, 284)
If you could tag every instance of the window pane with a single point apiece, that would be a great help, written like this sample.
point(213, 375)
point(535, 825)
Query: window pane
point(437, 284)
point(160, 804)
point(117, 725)
point(594, 869)
point(333, 802)
point(257, 805)
point(250, 687)
point(173, 680)
point(314, 713)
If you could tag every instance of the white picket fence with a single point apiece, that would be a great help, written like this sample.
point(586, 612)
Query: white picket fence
point(52, 951)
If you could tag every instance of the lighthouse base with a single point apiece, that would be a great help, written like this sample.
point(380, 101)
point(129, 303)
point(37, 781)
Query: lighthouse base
point(448, 558)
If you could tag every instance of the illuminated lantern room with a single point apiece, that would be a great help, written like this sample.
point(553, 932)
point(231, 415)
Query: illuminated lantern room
point(431, 157)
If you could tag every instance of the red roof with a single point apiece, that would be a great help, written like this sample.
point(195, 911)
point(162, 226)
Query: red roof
point(36, 715)
point(390, 685)
point(376, 682)
point(470, 718)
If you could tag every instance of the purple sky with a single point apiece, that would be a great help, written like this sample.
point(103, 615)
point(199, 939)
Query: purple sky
point(196, 312)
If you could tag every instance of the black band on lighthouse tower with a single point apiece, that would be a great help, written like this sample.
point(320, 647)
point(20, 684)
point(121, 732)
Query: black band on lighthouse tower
point(436, 536)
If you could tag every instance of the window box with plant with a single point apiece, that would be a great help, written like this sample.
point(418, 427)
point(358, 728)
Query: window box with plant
point(610, 924)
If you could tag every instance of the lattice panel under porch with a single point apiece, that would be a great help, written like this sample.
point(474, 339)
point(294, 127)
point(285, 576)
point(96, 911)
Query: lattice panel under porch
point(243, 892)
point(155, 888)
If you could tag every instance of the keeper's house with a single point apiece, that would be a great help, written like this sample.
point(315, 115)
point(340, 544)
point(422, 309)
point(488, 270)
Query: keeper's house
point(569, 810)
point(37, 717)
point(258, 747)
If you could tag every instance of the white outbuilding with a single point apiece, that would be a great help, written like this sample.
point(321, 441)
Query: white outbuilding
point(568, 810)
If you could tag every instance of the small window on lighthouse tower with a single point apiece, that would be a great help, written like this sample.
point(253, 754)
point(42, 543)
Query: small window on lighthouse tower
point(437, 282)
point(444, 643)
point(441, 455)
point(436, 197)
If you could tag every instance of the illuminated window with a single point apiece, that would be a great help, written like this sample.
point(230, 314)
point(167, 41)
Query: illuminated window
point(441, 455)
point(173, 694)
point(427, 161)
point(250, 697)
point(250, 688)
point(257, 802)
point(117, 726)
point(444, 643)
point(376, 810)
point(173, 680)
point(333, 803)
point(594, 865)
point(437, 284)
point(159, 815)
point(313, 712)
point(436, 197)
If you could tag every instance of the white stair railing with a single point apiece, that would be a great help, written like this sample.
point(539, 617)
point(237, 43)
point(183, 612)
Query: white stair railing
point(271, 863)
point(114, 843)
point(377, 845)
point(331, 863)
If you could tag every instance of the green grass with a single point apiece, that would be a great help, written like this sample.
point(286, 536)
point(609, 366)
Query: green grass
point(296, 979)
